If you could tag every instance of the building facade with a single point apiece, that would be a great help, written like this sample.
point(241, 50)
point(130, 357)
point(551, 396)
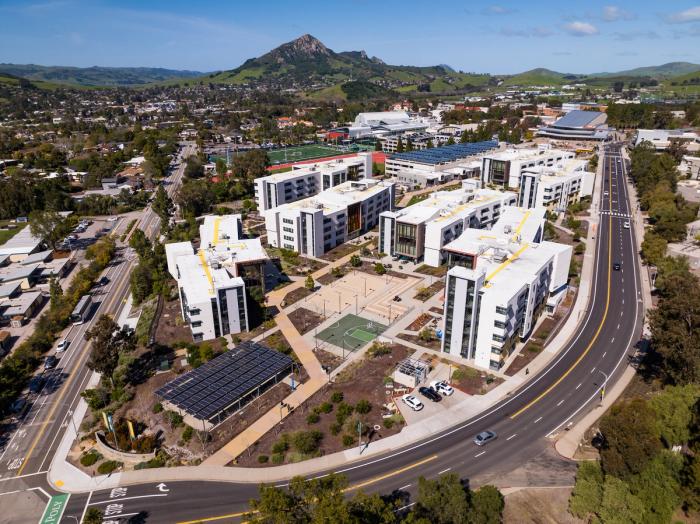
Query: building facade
point(505, 168)
point(555, 188)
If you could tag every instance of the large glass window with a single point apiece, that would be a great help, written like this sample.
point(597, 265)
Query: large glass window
point(406, 239)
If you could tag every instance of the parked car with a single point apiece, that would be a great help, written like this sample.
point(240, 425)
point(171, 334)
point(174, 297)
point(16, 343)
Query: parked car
point(626, 225)
point(50, 362)
point(62, 345)
point(430, 394)
point(484, 438)
point(412, 402)
point(103, 281)
point(36, 383)
point(442, 387)
point(617, 266)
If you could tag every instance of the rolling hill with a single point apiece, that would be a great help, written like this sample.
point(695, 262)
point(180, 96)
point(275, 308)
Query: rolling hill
point(670, 69)
point(539, 77)
point(95, 76)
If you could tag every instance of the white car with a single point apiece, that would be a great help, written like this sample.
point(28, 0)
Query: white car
point(442, 387)
point(62, 345)
point(412, 402)
point(626, 225)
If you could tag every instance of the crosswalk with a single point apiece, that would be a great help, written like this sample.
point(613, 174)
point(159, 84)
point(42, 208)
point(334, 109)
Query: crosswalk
point(616, 214)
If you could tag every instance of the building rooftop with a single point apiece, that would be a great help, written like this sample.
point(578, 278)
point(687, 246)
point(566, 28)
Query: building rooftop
point(446, 154)
point(339, 197)
point(22, 243)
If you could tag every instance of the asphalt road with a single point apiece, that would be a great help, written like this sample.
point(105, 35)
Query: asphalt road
point(525, 421)
point(27, 450)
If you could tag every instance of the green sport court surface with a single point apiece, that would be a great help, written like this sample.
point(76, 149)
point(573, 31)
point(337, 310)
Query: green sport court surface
point(352, 332)
point(297, 153)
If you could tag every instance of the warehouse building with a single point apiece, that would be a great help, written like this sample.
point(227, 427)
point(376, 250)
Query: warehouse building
point(498, 284)
point(315, 225)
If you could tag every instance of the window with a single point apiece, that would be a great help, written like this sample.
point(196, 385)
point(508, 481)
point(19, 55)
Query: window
point(196, 323)
point(288, 229)
point(287, 220)
point(287, 237)
point(499, 324)
point(501, 310)
point(288, 246)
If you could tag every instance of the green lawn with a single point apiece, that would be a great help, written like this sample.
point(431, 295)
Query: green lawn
point(7, 234)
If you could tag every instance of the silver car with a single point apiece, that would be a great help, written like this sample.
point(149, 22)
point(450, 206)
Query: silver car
point(484, 438)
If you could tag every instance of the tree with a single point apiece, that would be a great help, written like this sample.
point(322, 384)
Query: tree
point(653, 248)
point(429, 145)
point(93, 516)
point(674, 413)
point(379, 268)
point(194, 168)
point(55, 293)
point(141, 283)
point(588, 491)
point(378, 145)
point(630, 438)
point(399, 146)
point(443, 500)
point(409, 145)
point(49, 226)
point(309, 283)
point(487, 506)
point(450, 141)
point(355, 261)
point(221, 166)
point(108, 342)
point(163, 206)
point(250, 165)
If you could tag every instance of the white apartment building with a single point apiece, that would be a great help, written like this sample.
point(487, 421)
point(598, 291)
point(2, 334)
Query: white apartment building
point(215, 282)
point(422, 230)
point(505, 167)
point(498, 284)
point(306, 180)
point(317, 224)
point(555, 188)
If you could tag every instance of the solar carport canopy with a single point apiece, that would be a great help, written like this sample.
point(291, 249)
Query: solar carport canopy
point(216, 386)
point(445, 154)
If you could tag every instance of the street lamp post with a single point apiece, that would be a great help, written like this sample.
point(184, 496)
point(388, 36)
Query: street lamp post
point(356, 311)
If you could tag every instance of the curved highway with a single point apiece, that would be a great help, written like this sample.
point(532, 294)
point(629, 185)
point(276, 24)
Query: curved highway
point(569, 386)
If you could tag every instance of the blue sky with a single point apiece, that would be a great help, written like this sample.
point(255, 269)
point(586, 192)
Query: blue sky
point(503, 37)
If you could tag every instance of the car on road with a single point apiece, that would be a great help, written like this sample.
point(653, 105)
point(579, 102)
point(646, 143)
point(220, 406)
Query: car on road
point(605, 193)
point(103, 281)
point(442, 387)
point(412, 402)
point(62, 345)
point(626, 225)
point(429, 394)
point(36, 383)
point(484, 438)
point(617, 266)
point(50, 362)
point(112, 219)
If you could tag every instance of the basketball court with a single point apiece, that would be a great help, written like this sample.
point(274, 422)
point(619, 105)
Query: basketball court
point(351, 332)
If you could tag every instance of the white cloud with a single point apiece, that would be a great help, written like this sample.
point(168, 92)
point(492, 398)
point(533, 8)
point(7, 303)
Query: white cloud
point(612, 13)
point(497, 10)
point(681, 17)
point(581, 29)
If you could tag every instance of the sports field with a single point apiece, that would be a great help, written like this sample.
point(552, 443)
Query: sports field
point(297, 153)
point(352, 332)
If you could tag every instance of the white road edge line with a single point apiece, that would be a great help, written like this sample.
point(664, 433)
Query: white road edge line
point(119, 499)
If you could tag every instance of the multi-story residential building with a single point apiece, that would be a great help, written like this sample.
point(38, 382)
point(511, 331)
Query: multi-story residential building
point(306, 180)
point(498, 284)
point(557, 187)
point(317, 224)
point(217, 282)
point(437, 158)
point(504, 168)
point(420, 231)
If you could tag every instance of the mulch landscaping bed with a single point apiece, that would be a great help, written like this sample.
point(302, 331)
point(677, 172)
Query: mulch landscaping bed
point(305, 320)
point(364, 380)
point(345, 249)
point(328, 359)
point(432, 344)
point(437, 310)
point(171, 328)
point(469, 380)
point(419, 322)
point(368, 267)
point(439, 271)
point(533, 347)
point(296, 295)
point(427, 293)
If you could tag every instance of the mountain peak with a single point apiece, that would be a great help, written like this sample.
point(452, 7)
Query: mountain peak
point(304, 47)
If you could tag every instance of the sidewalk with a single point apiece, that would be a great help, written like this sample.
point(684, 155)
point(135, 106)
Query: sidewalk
point(569, 442)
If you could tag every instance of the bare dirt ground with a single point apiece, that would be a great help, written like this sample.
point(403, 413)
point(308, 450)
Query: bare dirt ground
point(466, 379)
point(363, 380)
point(419, 322)
point(539, 506)
point(305, 320)
point(171, 328)
point(296, 295)
point(434, 343)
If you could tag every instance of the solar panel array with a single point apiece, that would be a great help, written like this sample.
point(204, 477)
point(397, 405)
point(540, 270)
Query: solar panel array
point(213, 387)
point(451, 153)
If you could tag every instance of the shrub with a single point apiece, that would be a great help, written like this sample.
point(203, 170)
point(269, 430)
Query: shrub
point(89, 458)
point(187, 433)
point(108, 467)
point(336, 428)
point(337, 396)
point(326, 407)
point(363, 406)
point(344, 411)
point(157, 407)
point(313, 418)
point(306, 441)
point(458, 374)
point(388, 423)
point(281, 445)
point(377, 349)
point(277, 458)
point(348, 440)
point(379, 268)
point(262, 459)
point(174, 419)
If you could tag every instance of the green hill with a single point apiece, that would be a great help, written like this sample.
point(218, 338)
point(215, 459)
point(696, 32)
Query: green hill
point(539, 77)
point(95, 76)
point(668, 70)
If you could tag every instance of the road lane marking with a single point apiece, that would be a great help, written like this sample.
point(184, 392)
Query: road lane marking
point(512, 436)
point(220, 517)
point(560, 402)
point(404, 487)
point(120, 499)
point(478, 455)
point(595, 335)
point(579, 385)
point(443, 471)
point(605, 353)
point(390, 474)
point(592, 370)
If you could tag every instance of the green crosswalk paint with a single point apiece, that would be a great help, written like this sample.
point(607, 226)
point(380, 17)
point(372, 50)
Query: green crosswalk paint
point(54, 509)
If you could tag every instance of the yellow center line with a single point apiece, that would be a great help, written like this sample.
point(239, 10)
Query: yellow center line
point(349, 488)
point(602, 321)
point(57, 403)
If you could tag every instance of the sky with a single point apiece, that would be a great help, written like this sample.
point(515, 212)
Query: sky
point(500, 38)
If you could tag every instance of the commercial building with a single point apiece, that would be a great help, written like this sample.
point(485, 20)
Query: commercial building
point(504, 168)
point(578, 125)
point(21, 245)
point(217, 282)
point(661, 139)
point(498, 284)
point(556, 187)
point(437, 158)
point(306, 180)
point(420, 231)
point(381, 123)
point(317, 224)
